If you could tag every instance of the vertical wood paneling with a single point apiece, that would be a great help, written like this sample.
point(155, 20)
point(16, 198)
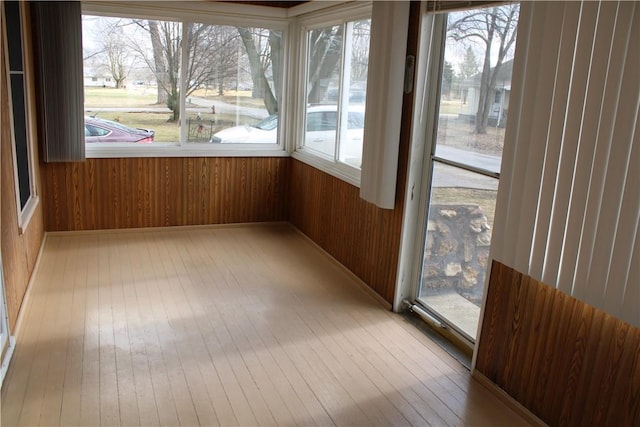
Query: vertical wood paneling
point(156, 192)
point(566, 361)
point(360, 235)
point(363, 237)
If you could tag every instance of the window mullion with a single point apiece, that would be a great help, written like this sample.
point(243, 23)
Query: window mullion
point(184, 63)
point(345, 83)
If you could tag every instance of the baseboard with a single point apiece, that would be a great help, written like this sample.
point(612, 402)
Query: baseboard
point(164, 228)
point(27, 294)
point(516, 406)
point(361, 284)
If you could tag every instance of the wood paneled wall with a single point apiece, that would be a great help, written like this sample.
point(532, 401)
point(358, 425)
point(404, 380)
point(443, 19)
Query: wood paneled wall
point(567, 362)
point(157, 192)
point(19, 251)
point(363, 237)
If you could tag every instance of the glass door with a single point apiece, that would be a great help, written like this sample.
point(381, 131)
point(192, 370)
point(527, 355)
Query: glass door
point(472, 111)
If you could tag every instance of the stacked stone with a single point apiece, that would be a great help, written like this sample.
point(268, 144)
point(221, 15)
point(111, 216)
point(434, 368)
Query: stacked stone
point(457, 250)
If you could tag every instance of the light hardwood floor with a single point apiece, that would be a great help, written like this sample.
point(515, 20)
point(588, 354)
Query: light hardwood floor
point(247, 325)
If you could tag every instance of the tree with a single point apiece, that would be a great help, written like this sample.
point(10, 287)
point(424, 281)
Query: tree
point(158, 67)
point(259, 67)
point(166, 57)
point(325, 52)
point(117, 61)
point(469, 65)
point(360, 50)
point(112, 55)
point(447, 78)
point(487, 26)
point(226, 56)
point(164, 62)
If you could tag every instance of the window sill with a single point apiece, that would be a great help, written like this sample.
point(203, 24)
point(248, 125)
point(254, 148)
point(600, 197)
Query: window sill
point(339, 170)
point(195, 150)
point(24, 218)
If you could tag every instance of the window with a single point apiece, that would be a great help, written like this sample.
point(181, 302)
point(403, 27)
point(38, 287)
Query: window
point(181, 84)
point(26, 198)
point(334, 94)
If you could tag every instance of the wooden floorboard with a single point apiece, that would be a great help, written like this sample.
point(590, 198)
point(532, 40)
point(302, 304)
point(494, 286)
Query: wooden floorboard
point(246, 325)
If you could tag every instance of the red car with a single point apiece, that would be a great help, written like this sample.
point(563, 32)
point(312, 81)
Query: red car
point(100, 130)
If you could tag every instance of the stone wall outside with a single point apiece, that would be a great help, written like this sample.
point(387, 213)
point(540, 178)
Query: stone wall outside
point(457, 251)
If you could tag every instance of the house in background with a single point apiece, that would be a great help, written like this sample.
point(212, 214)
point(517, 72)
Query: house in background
point(470, 96)
point(94, 78)
point(587, 359)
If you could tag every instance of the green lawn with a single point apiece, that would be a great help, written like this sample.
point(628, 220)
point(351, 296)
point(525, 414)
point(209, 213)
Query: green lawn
point(242, 97)
point(95, 97)
point(156, 116)
point(486, 199)
point(166, 131)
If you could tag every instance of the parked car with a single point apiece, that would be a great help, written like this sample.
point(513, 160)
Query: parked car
point(101, 130)
point(321, 129)
point(357, 93)
point(263, 132)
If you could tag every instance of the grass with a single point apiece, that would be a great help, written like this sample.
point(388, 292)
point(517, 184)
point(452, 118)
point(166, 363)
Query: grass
point(146, 96)
point(242, 98)
point(156, 116)
point(450, 106)
point(166, 131)
point(486, 199)
point(95, 97)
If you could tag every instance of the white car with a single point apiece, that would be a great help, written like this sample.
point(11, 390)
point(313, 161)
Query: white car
point(263, 132)
point(320, 132)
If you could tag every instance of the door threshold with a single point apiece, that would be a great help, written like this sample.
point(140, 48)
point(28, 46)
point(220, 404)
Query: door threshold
point(443, 337)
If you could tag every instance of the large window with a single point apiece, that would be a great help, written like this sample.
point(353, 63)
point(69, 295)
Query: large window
point(17, 67)
point(155, 83)
point(336, 65)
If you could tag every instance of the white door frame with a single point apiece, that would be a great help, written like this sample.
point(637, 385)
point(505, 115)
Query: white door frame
point(428, 65)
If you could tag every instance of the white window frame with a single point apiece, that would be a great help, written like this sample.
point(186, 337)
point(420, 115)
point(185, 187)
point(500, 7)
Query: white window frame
point(205, 13)
point(337, 15)
point(24, 213)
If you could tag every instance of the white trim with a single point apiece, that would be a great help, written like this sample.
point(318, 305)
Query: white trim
point(184, 56)
point(312, 6)
point(338, 15)
point(339, 170)
point(25, 215)
point(200, 12)
point(7, 358)
point(110, 151)
point(222, 13)
point(418, 177)
point(383, 121)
